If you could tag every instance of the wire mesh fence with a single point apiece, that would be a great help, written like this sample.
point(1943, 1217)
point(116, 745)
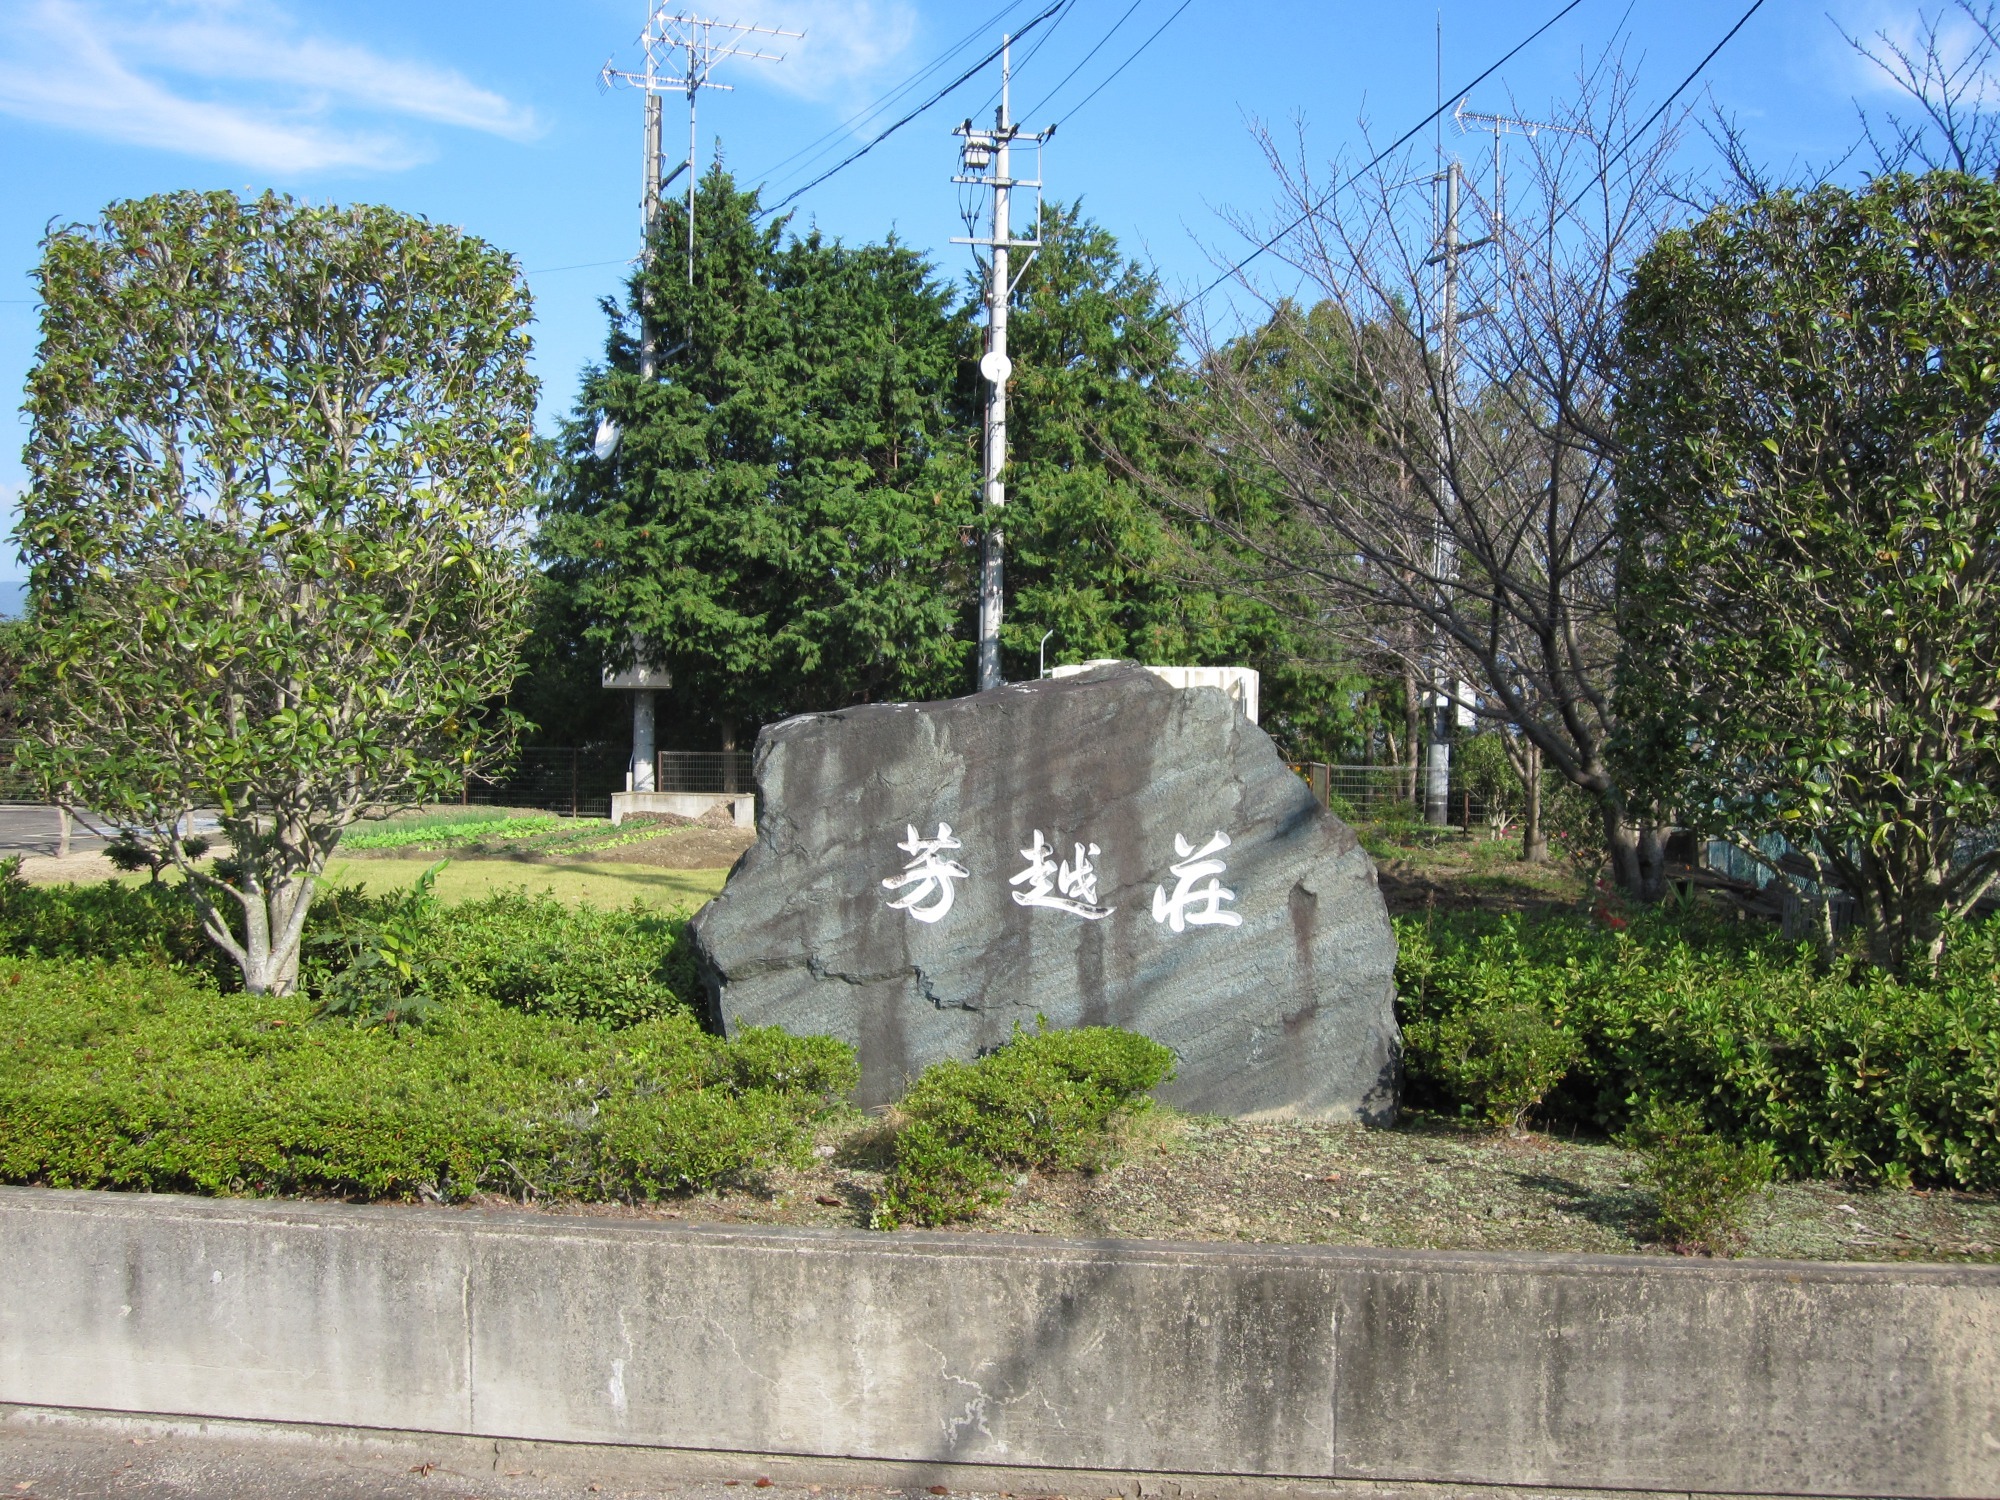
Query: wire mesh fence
point(1372, 793)
point(574, 781)
point(703, 771)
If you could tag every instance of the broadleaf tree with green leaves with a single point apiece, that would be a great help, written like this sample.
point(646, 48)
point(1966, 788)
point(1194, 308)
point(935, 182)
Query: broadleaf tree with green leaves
point(280, 461)
point(1809, 428)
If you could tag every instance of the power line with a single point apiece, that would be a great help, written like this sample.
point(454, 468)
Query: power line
point(812, 149)
point(853, 157)
point(1665, 104)
point(588, 265)
point(1402, 140)
point(1134, 57)
point(1086, 58)
point(1034, 51)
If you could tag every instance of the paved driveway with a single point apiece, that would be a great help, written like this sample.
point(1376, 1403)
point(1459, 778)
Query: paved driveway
point(26, 828)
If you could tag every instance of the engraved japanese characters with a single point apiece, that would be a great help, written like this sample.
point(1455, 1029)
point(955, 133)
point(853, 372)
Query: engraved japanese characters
point(1100, 849)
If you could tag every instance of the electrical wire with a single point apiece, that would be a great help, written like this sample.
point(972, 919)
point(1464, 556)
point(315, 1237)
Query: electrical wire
point(1387, 151)
point(855, 156)
point(1022, 66)
point(815, 148)
point(1132, 58)
point(1037, 110)
point(1665, 104)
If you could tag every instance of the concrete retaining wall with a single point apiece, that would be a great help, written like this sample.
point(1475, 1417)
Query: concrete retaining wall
point(742, 805)
point(1303, 1363)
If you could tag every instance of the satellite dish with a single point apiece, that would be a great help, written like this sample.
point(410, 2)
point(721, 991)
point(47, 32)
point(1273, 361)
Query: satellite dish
point(606, 442)
point(996, 366)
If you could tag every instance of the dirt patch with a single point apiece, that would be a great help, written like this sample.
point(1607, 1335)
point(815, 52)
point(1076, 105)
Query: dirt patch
point(693, 846)
point(82, 868)
point(1425, 1185)
point(1447, 869)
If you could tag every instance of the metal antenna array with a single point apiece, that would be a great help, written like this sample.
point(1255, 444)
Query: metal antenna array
point(986, 161)
point(681, 51)
point(1503, 126)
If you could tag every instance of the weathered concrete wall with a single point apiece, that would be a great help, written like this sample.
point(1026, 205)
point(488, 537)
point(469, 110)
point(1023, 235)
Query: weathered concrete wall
point(742, 805)
point(1547, 1371)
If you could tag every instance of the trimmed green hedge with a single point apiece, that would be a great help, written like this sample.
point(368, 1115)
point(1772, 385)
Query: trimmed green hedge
point(1044, 1101)
point(1842, 1071)
point(132, 1075)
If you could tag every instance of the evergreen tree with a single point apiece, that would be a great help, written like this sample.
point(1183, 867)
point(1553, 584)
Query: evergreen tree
point(779, 524)
point(1097, 375)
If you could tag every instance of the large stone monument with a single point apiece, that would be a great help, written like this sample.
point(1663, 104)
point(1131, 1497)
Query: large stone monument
point(1101, 849)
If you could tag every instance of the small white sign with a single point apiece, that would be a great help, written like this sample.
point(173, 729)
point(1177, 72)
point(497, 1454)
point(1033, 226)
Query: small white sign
point(996, 366)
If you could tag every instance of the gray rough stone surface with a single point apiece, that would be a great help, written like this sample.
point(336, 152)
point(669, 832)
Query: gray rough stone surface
point(1286, 1011)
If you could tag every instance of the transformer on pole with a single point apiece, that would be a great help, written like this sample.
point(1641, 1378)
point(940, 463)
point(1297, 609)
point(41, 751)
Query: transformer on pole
point(986, 161)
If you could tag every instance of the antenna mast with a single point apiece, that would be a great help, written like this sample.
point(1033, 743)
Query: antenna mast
point(681, 50)
point(986, 161)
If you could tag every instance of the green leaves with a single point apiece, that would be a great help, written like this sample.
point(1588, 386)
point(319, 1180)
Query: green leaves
point(1811, 536)
point(275, 497)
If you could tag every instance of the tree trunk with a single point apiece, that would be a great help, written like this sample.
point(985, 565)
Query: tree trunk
point(1412, 734)
point(1903, 919)
point(273, 929)
point(1637, 857)
point(1534, 843)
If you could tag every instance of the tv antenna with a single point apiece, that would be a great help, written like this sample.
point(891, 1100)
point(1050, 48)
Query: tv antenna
point(1503, 126)
point(681, 51)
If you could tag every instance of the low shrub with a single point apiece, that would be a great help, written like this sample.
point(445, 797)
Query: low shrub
point(1045, 1100)
point(546, 957)
point(447, 829)
point(1497, 1055)
point(154, 922)
point(1701, 1183)
point(134, 1076)
point(1841, 1071)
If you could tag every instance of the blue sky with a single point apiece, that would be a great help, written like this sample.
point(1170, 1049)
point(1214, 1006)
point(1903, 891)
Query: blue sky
point(490, 115)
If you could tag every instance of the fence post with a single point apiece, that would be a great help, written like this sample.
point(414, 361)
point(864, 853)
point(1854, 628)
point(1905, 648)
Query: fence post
point(574, 752)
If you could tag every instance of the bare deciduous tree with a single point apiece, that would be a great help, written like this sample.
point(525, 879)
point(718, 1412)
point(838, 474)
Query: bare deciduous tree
point(1436, 433)
point(1945, 67)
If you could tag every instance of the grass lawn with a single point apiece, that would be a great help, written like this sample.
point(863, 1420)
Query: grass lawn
point(599, 883)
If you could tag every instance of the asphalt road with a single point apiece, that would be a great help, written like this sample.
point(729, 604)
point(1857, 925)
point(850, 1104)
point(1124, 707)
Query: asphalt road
point(26, 829)
point(86, 1464)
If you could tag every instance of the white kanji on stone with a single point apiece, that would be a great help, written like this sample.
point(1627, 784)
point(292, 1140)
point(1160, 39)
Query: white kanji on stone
point(930, 875)
point(1044, 878)
point(1193, 905)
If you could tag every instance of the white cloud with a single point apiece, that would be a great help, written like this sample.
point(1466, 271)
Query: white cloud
point(848, 45)
point(235, 81)
point(1885, 28)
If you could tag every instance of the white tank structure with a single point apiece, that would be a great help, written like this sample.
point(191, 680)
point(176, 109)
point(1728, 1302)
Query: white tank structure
point(1238, 684)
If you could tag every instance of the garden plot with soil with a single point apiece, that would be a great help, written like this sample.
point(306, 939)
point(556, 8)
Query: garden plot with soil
point(1427, 1184)
point(659, 840)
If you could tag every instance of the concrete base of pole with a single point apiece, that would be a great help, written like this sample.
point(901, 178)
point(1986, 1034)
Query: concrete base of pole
point(1437, 784)
point(645, 760)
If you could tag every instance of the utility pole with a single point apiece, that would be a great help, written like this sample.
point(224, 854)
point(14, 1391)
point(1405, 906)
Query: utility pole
point(1451, 251)
point(681, 51)
point(986, 160)
point(693, 37)
point(1437, 779)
